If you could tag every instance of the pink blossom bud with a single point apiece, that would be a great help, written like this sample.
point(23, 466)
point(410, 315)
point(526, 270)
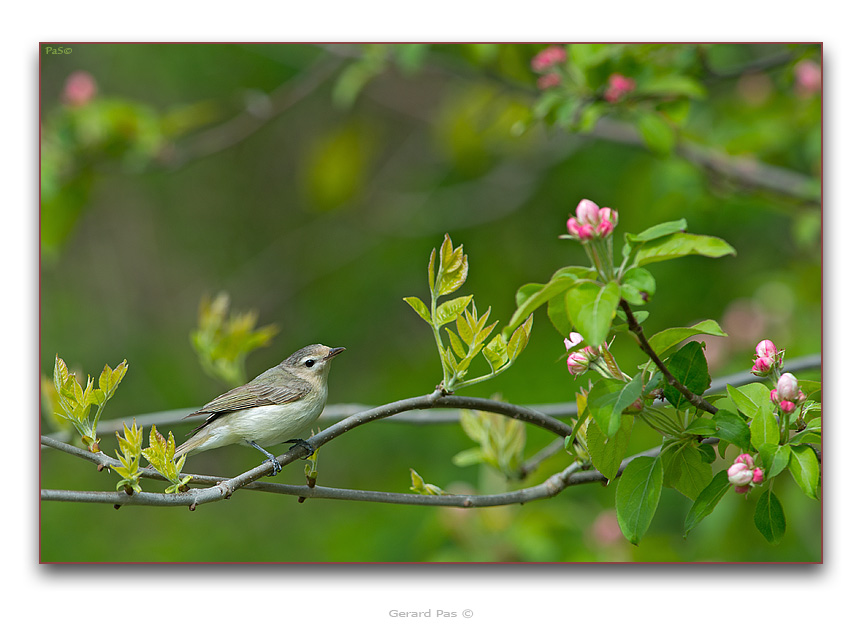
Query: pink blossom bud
point(573, 227)
point(808, 78)
point(586, 232)
point(547, 81)
point(547, 58)
point(587, 212)
point(572, 340)
point(592, 351)
point(787, 387)
point(578, 363)
point(618, 86)
point(757, 475)
point(605, 228)
point(762, 366)
point(739, 474)
point(609, 214)
point(744, 489)
point(79, 89)
point(766, 349)
point(745, 459)
point(787, 406)
point(773, 396)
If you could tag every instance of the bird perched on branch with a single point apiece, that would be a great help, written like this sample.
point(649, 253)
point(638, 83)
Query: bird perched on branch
point(273, 408)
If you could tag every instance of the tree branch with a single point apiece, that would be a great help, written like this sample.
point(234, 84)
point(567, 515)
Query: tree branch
point(336, 412)
point(638, 332)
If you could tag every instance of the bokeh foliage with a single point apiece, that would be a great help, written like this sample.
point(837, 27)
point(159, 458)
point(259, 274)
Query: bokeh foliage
point(309, 183)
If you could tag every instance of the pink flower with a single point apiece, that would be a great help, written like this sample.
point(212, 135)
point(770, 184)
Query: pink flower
point(788, 387)
point(787, 406)
point(578, 363)
point(762, 366)
point(767, 357)
point(773, 395)
point(548, 58)
point(79, 89)
point(808, 78)
point(572, 340)
point(739, 474)
point(757, 475)
point(547, 81)
point(618, 86)
point(590, 222)
point(766, 349)
point(587, 212)
point(743, 474)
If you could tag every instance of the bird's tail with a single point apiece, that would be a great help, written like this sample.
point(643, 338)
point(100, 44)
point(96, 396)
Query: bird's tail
point(192, 444)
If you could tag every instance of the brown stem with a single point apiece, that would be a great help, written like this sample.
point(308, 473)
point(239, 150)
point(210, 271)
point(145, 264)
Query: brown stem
point(638, 332)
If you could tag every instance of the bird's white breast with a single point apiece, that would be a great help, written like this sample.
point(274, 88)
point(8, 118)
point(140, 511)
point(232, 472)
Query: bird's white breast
point(269, 425)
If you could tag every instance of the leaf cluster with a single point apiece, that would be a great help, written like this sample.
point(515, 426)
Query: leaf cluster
point(501, 442)
point(223, 341)
point(129, 457)
point(472, 330)
point(160, 454)
point(75, 402)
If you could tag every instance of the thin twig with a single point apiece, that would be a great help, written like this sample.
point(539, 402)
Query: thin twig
point(638, 332)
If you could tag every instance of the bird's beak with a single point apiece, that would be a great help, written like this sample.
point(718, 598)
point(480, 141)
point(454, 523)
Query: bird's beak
point(334, 352)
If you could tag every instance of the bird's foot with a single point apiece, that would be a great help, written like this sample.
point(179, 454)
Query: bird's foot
point(301, 442)
point(276, 466)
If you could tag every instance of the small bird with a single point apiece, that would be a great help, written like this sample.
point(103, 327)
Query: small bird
point(273, 408)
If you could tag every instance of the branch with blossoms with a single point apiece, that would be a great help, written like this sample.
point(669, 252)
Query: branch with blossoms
point(766, 428)
point(772, 430)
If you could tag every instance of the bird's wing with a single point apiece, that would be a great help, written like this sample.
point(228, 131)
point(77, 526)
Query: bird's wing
point(249, 396)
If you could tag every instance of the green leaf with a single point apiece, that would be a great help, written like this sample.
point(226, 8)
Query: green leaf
point(558, 314)
point(749, 398)
point(706, 501)
point(774, 457)
point(809, 435)
point(638, 286)
point(679, 245)
point(805, 469)
point(519, 339)
point(672, 85)
point(609, 398)
point(465, 458)
point(530, 298)
point(764, 428)
point(420, 486)
point(607, 453)
point(456, 344)
point(666, 339)
point(419, 307)
point(733, 429)
point(451, 309)
point(496, 353)
point(704, 426)
point(637, 496)
point(453, 267)
point(688, 366)
point(659, 230)
point(690, 473)
point(431, 279)
point(527, 290)
point(592, 308)
point(657, 133)
point(769, 517)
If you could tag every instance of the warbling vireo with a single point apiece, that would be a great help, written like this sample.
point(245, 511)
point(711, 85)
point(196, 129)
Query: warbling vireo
point(273, 408)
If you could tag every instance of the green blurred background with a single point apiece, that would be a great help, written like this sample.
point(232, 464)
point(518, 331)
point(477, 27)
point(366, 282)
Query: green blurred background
point(311, 183)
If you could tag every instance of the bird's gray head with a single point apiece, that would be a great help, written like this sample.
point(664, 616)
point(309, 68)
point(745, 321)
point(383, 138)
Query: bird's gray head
point(313, 358)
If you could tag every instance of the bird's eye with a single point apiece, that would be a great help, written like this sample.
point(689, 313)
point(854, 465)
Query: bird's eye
point(309, 363)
